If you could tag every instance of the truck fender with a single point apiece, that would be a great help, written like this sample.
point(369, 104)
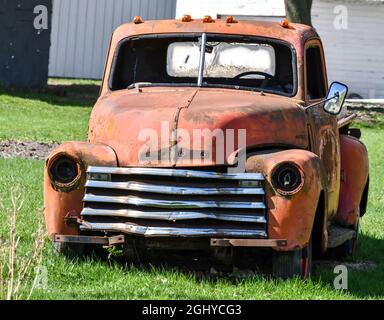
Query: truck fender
point(64, 203)
point(354, 180)
point(291, 216)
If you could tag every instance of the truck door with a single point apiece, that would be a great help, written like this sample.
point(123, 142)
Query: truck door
point(324, 130)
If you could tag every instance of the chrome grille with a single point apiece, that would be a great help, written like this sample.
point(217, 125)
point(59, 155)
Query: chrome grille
point(174, 202)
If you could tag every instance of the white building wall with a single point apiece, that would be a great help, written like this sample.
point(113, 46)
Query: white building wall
point(200, 8)
point(81, 30)
point(355, 55)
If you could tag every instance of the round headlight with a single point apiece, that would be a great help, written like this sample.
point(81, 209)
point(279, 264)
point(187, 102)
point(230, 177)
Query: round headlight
point(64, 170)
point(287, 178)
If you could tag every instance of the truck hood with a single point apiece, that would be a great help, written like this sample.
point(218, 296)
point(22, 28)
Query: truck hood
point(140, 124)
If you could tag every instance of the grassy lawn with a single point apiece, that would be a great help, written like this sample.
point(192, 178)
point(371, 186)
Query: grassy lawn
point(58, 113)
point(39, 117)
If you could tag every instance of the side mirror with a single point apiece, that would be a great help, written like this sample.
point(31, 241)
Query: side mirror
point(335, 99)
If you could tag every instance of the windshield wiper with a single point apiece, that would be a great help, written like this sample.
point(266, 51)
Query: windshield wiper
point(159, 84)
point(137, 85)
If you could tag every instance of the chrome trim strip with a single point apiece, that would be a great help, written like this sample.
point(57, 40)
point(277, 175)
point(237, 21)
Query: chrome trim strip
point(173, 215)
point(136, 201)
point(145, 187)
point(203, 46)
point(182, 173)
point(172, 231)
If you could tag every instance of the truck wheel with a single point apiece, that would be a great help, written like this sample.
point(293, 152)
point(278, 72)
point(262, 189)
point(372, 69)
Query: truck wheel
point(348, 248)
point(69, 250)
point(296, 263)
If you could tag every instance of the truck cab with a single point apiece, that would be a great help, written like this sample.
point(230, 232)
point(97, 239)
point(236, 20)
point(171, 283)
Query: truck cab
point(213, 135)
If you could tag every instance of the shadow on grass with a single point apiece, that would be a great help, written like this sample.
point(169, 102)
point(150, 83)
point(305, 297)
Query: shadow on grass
point(197, 264)
point(364, 281)
point(369, 283)
point(365, 270)
point(73, 95)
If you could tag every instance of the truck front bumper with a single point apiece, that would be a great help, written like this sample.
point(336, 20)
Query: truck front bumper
point(214, 242)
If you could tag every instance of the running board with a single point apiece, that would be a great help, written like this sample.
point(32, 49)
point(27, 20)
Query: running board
point(338, 235)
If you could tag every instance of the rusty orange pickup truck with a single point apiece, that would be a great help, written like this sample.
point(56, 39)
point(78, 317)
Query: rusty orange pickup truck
point(214, 135)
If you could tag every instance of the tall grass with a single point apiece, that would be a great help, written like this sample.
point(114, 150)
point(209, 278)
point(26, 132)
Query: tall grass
point(18, 264)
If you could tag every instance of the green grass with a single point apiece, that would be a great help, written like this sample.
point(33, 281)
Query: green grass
point(373, 120)
point(97, 279)
point(71, 82)
point(59, 112)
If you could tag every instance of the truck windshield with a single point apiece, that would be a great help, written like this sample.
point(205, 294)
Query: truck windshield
point(228, 62)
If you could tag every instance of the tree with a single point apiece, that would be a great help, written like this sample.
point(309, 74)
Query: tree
point(299, 11)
